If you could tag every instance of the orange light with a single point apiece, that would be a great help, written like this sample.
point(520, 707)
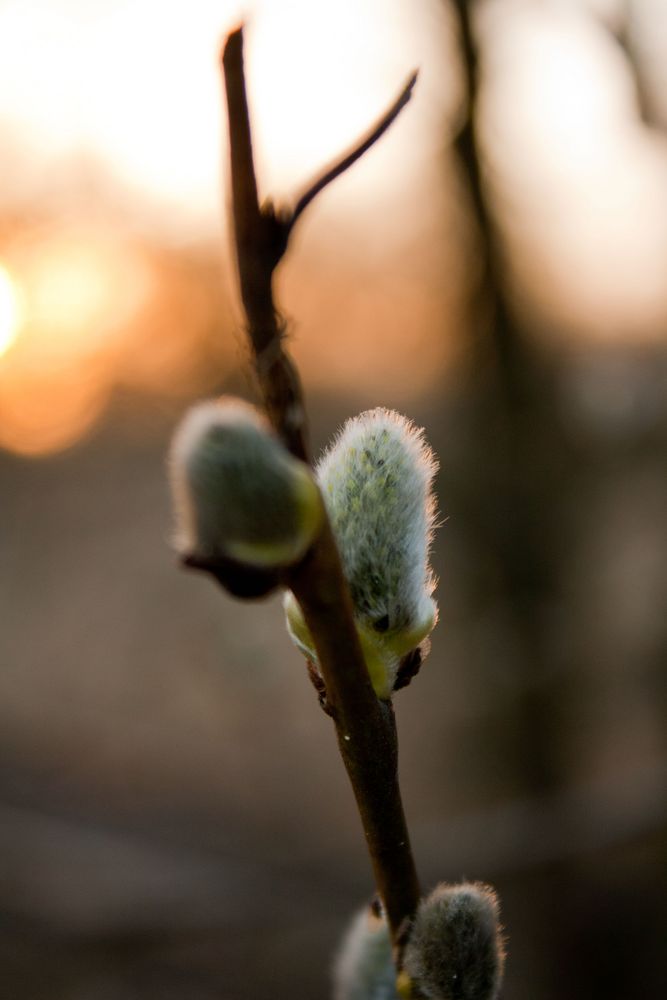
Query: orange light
point(45, 411)
point(81, 289)
point(11, 310)
point(79, 293)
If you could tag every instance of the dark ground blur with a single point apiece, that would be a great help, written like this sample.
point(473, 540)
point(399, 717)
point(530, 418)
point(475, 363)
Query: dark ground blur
point(174, 820)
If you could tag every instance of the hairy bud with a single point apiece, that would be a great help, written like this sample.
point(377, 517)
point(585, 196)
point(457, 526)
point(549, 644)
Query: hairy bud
point(239, 494)
point(376, 482)
point(364, 968)
point(455, 950)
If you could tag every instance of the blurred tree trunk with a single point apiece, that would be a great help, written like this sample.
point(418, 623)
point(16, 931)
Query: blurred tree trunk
point(519, 456)
point(519, 461)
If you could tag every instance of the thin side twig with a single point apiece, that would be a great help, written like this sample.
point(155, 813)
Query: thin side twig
point(344, 162)
point(364, 725)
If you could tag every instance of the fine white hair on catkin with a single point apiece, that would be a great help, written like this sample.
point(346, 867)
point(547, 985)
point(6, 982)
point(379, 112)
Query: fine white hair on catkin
point(237, 490)
point(195, 463)
point(376, 479)
point(455, 950)
point(364, 967)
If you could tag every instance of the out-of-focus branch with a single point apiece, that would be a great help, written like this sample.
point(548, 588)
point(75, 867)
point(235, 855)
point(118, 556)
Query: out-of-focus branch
point(492, 291)
point(513, 412)
point(624, 36)
point(364, 725)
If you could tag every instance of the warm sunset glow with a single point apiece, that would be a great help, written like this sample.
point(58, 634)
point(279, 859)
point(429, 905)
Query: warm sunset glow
point(81, 289)
point(115, 128)
point(10, 310)
point(139, 85)
point(43, 412)
point(75, 294)
point(115, 161)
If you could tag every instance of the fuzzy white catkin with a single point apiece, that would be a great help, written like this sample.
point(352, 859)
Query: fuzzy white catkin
point(238, 492)
point(364, 968)
point(376, 481)
point(455, 950)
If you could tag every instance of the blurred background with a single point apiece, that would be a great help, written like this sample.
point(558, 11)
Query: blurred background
point(174, 820)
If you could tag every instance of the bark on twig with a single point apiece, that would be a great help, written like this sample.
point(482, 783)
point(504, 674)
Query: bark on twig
point(261, 241)
point(365, 726)
point(339, 166)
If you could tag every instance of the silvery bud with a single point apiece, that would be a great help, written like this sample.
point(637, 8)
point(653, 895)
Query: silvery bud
point(455, 950)
point(376, 480)
point(239, 494)
point(364, 968)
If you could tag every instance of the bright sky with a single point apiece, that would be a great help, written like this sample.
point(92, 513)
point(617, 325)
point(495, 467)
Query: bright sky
point(137, 83)
point(582, 183)
point(134, 85)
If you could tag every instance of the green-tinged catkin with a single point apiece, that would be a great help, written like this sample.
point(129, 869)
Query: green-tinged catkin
point(238, 492)
point(455, 950)
point(376, 481)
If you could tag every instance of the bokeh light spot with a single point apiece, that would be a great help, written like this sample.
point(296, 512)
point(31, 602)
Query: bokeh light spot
point(11, 310)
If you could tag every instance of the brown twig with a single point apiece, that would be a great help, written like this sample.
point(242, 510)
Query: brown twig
point(364, 725)
point(344, 162)
point(261, 241)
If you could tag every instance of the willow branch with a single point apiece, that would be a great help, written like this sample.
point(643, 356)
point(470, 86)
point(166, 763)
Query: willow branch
point(344, 162)
point(260, 243)
point(364, 725)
